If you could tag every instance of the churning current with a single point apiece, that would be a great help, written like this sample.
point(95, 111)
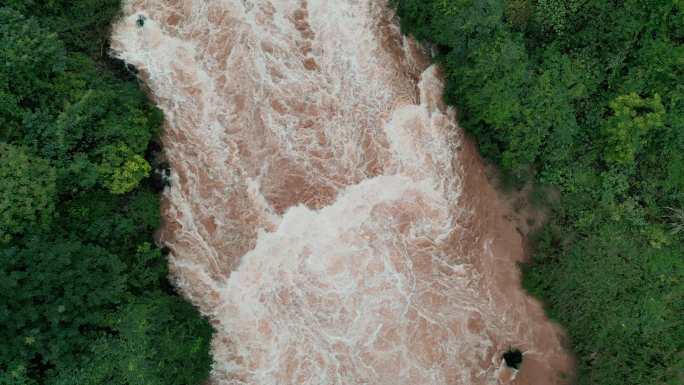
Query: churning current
point(326, 212)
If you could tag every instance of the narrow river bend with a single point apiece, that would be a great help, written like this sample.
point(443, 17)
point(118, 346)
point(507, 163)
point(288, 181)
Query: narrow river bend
point(325, 211)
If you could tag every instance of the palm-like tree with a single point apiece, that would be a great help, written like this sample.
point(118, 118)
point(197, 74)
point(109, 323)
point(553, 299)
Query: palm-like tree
point(676, 217)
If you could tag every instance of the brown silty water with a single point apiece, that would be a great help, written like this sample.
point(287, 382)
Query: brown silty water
point(325, 211)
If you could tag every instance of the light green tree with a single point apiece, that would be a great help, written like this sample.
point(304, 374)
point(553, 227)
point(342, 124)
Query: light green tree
point(625, 132)
point(122, 169)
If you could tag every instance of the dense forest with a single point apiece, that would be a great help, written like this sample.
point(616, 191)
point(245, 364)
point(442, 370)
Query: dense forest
point(585, 98)
point(84, 296)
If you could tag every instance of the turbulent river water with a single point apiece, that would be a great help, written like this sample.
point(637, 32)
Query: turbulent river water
point(326, 212)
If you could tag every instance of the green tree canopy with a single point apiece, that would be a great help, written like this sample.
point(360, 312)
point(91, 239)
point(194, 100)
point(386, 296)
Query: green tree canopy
point(626, 130)
point(27, 192)
point(84, 291)
point(31, 55)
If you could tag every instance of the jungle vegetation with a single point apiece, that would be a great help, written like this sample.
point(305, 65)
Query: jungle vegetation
point(84, 295)
point(587, 98)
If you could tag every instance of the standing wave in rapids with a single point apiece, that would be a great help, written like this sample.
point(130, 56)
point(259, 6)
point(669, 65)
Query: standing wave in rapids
point(325, 210)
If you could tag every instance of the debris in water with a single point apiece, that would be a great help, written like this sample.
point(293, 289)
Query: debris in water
point(513, 358)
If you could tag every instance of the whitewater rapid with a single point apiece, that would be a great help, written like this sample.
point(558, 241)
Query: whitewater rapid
point(326, 212)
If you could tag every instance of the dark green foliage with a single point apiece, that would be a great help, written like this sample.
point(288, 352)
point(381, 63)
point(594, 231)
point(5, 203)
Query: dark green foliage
point(160, 342)
point(27, 192)
point(54, 299)
point(586, 97)
point(84, 296)
point(81, 24)
point(32, 55)
point(623, 309)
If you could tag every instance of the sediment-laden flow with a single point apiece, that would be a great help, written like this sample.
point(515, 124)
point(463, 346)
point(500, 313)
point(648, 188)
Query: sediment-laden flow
point(325, 210)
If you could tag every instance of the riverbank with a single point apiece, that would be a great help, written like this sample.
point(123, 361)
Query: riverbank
point(586, 99)
point(505, 215)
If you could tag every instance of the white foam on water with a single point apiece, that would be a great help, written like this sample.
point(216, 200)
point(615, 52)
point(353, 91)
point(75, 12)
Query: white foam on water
point(317, 211)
